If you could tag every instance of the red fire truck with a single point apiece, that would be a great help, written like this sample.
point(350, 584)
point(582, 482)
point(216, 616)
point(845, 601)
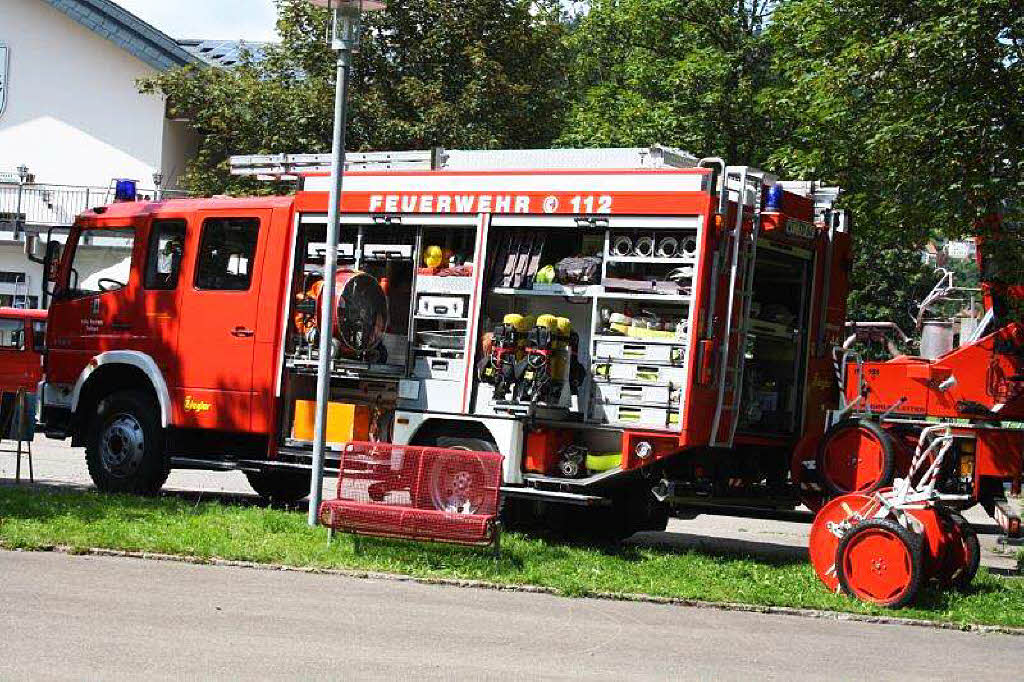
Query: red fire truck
point(630, 328)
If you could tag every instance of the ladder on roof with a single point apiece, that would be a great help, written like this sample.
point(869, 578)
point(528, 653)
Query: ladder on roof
point(285, 167)
point(742, 263)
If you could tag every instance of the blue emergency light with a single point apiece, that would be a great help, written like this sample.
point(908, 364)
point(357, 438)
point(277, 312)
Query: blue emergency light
point(126, 190)
point(774, 198)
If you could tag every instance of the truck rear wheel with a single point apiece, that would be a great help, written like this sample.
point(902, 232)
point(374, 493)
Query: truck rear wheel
point(124, 448)
point(280, 486)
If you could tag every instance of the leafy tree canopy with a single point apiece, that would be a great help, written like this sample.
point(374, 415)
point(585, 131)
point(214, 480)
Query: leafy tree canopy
point(454, 73)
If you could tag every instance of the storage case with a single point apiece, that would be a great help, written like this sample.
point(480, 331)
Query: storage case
point(452, 307)
point(635, 394)
point(445, 369)
point(639, 352)
point(637, 417)
point(633, 373)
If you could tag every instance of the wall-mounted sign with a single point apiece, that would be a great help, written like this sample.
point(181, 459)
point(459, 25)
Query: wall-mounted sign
point(4, 70)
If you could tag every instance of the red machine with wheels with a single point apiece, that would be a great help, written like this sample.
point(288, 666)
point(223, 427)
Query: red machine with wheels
point(894, 525)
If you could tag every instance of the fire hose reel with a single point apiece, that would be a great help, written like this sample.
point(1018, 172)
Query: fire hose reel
point(360, 312)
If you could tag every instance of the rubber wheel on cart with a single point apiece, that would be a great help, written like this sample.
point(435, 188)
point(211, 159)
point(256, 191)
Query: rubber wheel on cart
point(830, 523)
point(856, 456)
point(282, 487)
point(880, 562)
point(125, 445)
point(964, 555)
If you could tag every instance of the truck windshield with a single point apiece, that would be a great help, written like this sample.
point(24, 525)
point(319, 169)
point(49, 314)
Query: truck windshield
point(101, 262)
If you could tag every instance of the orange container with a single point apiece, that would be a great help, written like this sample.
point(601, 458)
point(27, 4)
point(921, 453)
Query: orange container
point(542, 447)
point(345, 423)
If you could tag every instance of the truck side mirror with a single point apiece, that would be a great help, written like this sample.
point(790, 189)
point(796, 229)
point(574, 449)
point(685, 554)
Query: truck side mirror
point(51, 268)
point(51, 261)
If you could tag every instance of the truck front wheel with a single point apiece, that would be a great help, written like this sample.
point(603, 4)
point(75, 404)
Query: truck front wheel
point(280, 486)
point(124, 448)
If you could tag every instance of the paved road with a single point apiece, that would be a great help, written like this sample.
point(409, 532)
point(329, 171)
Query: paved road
point(101, 618)
point(56, 463)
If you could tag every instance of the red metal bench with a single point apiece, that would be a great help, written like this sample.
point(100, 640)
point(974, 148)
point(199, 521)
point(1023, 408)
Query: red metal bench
point(417, 493)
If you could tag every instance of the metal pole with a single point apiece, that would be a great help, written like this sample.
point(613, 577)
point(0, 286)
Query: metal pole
point(323, 372)
point(19, 221)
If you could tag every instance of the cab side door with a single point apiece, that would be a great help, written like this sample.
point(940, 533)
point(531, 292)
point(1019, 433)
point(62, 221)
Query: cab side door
point(218, 321)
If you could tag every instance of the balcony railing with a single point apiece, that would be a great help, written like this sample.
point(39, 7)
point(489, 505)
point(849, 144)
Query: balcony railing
point(30, 207)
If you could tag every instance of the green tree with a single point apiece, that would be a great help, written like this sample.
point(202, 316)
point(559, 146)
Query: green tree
point(684, 73)
point(915, 109)
point(456, 73)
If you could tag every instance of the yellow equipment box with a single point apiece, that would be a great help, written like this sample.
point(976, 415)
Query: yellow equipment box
point(345, 423)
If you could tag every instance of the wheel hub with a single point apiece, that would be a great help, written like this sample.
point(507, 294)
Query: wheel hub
point(122, 445)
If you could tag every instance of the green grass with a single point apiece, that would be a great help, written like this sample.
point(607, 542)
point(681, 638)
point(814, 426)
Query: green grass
point(35, 519)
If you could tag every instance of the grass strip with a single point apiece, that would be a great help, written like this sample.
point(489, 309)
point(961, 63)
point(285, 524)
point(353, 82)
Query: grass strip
point(34, 519)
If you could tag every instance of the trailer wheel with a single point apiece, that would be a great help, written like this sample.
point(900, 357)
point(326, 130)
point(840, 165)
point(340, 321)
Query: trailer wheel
point(856, 456)
point(124, 446)
point(880, 562)
point(964, 554)
point(828, 529)
point(280, 486)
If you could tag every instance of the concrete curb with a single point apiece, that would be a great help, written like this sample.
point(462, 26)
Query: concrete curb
point(534, 589)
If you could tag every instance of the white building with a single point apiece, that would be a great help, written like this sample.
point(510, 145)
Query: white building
point(71, 113)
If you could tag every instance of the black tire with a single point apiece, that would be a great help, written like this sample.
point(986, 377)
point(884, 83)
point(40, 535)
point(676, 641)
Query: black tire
point(962, 581)
point(911, 541)
point(460, 443)
point(280, 486)
point(125, 445)
point(888, 456)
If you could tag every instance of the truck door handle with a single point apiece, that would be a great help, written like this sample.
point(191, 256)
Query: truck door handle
point(121, 326)
point(243, 333)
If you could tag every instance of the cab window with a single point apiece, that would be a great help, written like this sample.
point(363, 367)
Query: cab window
point(163, 257)
point(101, 262)
point(12, 334)
point(226, 253)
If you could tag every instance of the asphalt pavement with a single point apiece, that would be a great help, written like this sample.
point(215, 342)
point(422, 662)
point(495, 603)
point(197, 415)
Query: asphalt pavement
point(66, 617)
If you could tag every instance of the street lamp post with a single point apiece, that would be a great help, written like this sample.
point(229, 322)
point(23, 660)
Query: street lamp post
point(158, 181)
point(19, 220)
point(345, 30)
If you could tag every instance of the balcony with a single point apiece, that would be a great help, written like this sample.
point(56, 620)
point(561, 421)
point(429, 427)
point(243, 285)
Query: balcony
point(36, 208)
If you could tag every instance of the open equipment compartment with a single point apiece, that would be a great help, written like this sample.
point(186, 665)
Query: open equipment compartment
point(622, 356)
point(421, 304)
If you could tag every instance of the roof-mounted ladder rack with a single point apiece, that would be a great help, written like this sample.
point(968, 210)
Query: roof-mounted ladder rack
point(286, 167)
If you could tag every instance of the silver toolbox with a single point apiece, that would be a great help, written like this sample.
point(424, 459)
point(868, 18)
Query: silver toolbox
point(444, 369)
point(632, 351)
point(434, 284)
point(442, 306)
point(429, 394)
point(636, 417)
point(635, 394)
point(388, 251)
point(635, 373)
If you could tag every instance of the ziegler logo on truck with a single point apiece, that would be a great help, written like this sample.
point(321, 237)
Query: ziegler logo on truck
point(192, 405)
point(489, 203)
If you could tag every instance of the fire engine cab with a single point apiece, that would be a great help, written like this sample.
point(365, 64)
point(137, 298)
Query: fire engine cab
point(630, 328)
